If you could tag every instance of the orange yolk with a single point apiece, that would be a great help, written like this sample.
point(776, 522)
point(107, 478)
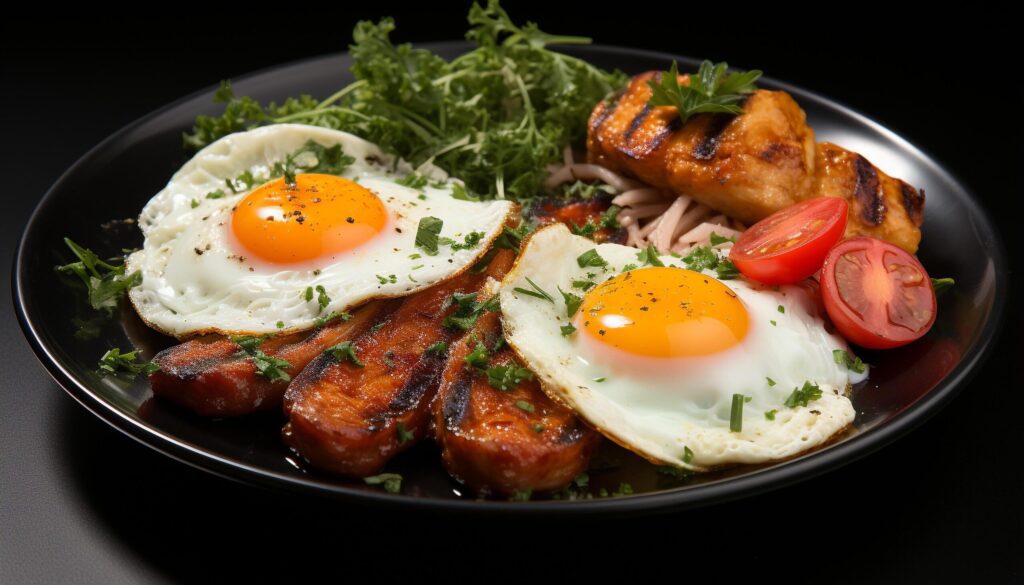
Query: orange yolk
point(664, 312)
point(318, 217)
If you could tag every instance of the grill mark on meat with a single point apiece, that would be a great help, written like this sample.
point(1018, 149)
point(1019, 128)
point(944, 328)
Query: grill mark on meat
point(456, 403)
point(425, 377)
point(868, 192)
point(913, 202)
point(707, 146)
point(636, 122)
point(608, 108)
point(193, 369)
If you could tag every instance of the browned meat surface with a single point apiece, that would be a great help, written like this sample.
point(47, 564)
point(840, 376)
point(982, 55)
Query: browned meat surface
point(501, 442)
point(351, 420)
point(211, 377)
point(751, 165)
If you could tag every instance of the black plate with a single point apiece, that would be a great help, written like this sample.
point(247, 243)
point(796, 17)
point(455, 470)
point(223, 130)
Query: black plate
point(118, 176)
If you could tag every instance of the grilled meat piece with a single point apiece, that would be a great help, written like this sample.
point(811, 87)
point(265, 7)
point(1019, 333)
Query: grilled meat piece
point(501, 442)
point(351, 420)
point(751, 165)
point(211, 376)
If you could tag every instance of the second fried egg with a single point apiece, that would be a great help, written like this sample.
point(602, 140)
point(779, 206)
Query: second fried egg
point(656, 356)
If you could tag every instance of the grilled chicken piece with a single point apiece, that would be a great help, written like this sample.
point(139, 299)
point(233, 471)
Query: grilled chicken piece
point(501, 442)
point(211, 377)
point(751, 165)
point(351, 420)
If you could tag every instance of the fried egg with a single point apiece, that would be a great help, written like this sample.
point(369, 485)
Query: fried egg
point(229, 248)
point(654, 356)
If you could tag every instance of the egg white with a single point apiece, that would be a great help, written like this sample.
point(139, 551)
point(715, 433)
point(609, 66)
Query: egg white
point(195, 281)
point(671, 405)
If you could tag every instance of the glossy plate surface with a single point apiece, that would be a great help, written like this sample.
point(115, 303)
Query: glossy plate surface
point(116, 178)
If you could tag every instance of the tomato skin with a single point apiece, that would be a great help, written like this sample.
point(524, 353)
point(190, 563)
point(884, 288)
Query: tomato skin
point(790, 245)
point(892, 293)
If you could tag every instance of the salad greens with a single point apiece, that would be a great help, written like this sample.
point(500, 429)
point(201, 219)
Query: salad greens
point(494, 117)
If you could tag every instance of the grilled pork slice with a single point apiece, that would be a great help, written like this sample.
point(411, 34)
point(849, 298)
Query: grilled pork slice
point(751, 165)
point(350, 412)
point(212, 376)
point(502, 441)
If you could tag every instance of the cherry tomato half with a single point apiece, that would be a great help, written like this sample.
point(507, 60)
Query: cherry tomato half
point(877, 294)
point(790, 245)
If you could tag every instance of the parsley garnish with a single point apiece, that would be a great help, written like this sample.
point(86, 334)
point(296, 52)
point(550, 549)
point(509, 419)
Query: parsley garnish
point(478, 357)
point(404, 436)
point(438, 348)
point(116, 363)
point(104, 282)
point(567, 329)
point(524, 406)
point(941, 285)
point(427, 233)
point(392, 482)
point(591, 258)
point(701, 258)
point(710, 90)
point(583, 285)
point(414, 181)
point(736, 414)
point(325, 319)
point(770, 382)
point(687, 454)
point(649, 256)
point(770, 414)
point(308, 294)
point(572, 302)
point(217, 194)
point(459, 192)
point(269, 367)
point(726, 270)
point(470, 241)
point(781, 309)
point(507, 377)
point(345, 351)
point(717, 240)
point(467, 311)
point(537, 291)
point(322, 299)
point(510, 239)
point(803, 396)
point(845, 358)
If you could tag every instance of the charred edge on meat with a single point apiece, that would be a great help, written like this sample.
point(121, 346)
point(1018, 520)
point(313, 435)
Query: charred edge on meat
point(707, 146)
point(869, 192)
point(191, 369)
point(607, 108)
point(457, 402)
point(913, 202)
point(426, 375)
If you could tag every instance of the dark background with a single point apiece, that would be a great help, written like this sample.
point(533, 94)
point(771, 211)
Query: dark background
point(81, 503)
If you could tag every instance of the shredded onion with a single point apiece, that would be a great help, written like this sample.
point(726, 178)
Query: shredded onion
point(671, 222)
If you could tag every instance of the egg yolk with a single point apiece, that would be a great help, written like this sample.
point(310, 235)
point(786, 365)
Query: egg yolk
point(664, 312)
point(319, 216)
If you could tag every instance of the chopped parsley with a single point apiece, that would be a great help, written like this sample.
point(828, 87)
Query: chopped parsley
point(770, 381)
point(427, 234)
point(649, 256)
point(537, 291)
point(711, 90)
point(717, 240)
point(116, 363)
point(467, 310)
point(507, 377)
point(600, 379)
point(404, 436)
point(216, 194)
point(459, 192)
point(770, 414)
point(414, 181)
point(845, 358)
point(195, 203)
point(478, 357)
point(392, 482)
point(391, 278)
point(537, 427)
point(321, 298)
point(803, 396)
point(781, 309)
point(941, 285)
point(701, 258)
point(567, 329)
point(470, 241)
point(269, 367)
point(510, 238)
point(438, 348)
point(345, 351)
point(104, 282)
point(591, 258)
point(325, 319)
point(524, 406)
point(726, 270)
point(736, 413)
point(572, 302)
point(308, 294)
point(687, 454)
point(279, 324)
point(583, 285)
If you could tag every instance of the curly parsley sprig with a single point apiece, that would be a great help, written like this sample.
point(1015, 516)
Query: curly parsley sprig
point(711, 90)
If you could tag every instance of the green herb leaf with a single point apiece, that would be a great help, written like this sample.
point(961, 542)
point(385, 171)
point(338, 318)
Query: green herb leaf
point(941, 285)
point(726, 270)
point(537, 291)
point(478, 357)
point(804, 395)
point(125, 365)
point(427, 233)
point(269, 367)
point(507, 377)
point(701, 258)
point(524, 406)
point(583, 285)
point(404, 436)
point(736, 414)
point(717, 240)
point(392, 482)
point(591, 258)
point(345, 351)
point(105, 282)
point(438, 348)
point(687, 454)
point(572, 302)
point(649, 256)
point(322, 299)
point(567, 329)
point(710, 90)
point(845, 358)
point(770, 414)
point(770, 382)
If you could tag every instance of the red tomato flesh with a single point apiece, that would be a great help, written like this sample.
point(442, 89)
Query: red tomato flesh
point(877, 294)
point(790, 245)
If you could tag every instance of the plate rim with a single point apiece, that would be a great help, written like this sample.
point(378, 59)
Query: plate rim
point(802, 468)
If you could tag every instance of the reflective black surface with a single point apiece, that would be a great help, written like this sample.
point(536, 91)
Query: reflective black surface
point(907, 384)
point(82, 503)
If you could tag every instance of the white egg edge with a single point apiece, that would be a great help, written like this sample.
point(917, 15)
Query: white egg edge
point(364, 148)
point(835, 411)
